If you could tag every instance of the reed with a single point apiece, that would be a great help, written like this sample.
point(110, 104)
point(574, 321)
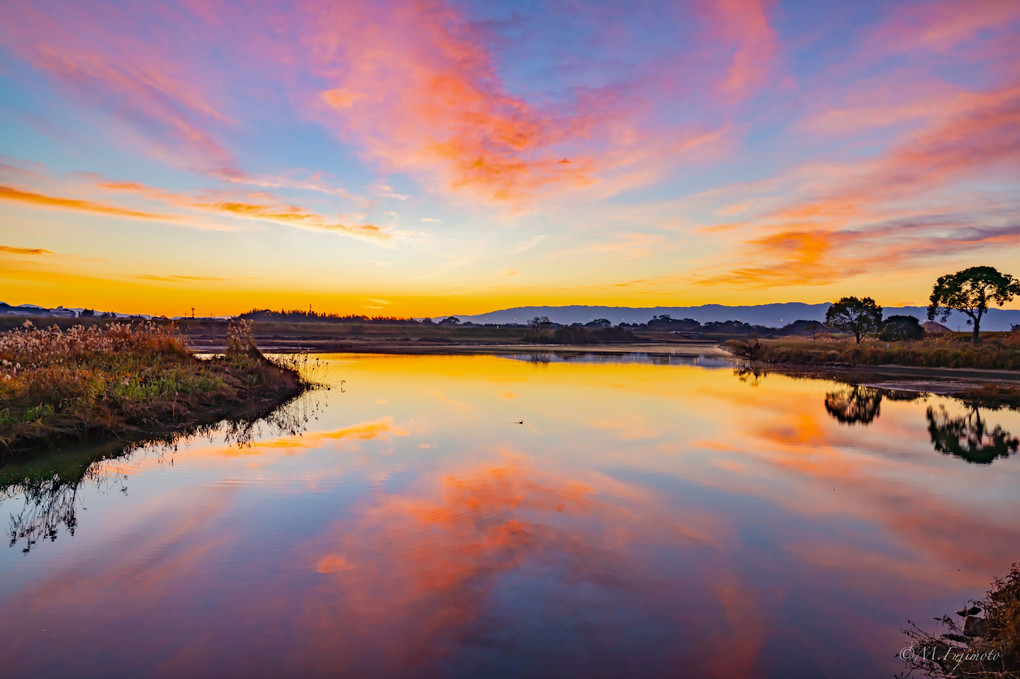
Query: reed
point(998, 351)
point(121, 377)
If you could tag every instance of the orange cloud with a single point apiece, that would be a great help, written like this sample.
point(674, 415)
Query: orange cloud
point(868, 222)
point(175, 278)
point(11, 250)
point(262, 206)
point(56, 202)
point(269, 210)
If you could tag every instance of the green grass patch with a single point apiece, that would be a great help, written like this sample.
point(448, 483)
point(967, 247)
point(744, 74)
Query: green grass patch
point(115, 377)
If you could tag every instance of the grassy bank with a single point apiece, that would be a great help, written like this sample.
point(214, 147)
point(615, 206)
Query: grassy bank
point(998, 351)
point(207, 335)
point(985, 643)
point(119, 380)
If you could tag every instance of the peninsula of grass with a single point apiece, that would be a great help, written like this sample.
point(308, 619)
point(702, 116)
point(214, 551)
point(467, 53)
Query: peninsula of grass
point(997, 351)
point(127, 381)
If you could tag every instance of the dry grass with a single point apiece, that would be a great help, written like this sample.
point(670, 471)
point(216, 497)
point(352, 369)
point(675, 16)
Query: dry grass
point(111, 378)
point(986, 647)
point(998, 351)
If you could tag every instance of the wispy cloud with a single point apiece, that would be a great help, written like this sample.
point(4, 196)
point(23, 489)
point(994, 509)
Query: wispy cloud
point(14, 195)
point(161, 97)
point(262, 205)
point(11, 250)
point(850, 230)
point(178, 278)
point(746, 23)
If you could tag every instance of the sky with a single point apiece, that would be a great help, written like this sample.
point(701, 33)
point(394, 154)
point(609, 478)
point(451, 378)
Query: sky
point(427, 158)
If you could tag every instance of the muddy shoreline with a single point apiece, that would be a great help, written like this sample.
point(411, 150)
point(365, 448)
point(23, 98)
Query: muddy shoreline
point(294, 345)
point(948, 381)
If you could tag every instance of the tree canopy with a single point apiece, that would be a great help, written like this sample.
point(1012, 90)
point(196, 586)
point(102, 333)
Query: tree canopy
point(899, 328)
point(971, 291)
point(857, 316)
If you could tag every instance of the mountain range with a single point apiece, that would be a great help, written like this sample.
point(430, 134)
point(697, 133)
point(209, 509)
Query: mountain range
point(769, 315)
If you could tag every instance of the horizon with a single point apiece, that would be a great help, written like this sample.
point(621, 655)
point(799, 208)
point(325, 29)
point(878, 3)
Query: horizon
point(761, 315)
point(442, 158)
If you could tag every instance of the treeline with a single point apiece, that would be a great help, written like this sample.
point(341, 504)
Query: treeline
point(301, 316)
point(578, 334)
point(692, 327)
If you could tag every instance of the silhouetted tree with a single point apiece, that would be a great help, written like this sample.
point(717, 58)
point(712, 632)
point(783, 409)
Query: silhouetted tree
point(968, 437)
point(901, 328)
point(971, 291)
point(540, 322)
point(598, 323)
point(854, 405)
point(853, 315)
point(804, 328)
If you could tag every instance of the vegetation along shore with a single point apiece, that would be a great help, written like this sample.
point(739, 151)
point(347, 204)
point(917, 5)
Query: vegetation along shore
point(128, 380)
point(866, 338)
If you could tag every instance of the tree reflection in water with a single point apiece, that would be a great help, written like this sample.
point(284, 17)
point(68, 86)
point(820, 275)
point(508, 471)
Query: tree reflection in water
point(750, 375)
point(854, 405)
point(969, 437)
point(51, 502)
point(50, 487)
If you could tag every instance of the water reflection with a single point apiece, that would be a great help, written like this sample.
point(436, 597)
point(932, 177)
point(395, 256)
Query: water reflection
point(49, 484)
point(968, 436)
point(531, 567)
point(854, 404)
point(644, 520)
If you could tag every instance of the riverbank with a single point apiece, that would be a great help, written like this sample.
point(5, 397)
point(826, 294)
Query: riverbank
point(1001, 351)
point(974, 386)
point(124, 381)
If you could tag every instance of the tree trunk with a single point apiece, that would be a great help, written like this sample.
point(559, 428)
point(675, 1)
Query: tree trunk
point(977, 330)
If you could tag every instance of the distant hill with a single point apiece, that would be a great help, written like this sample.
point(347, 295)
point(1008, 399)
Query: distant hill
point(770, 315)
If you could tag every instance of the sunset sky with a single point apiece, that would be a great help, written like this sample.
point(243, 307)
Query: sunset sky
point(428, 158)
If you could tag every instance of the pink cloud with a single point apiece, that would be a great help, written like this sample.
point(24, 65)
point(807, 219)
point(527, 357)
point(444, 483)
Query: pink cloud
point(746, 24)
point(943, 25)
point(99, 54)
point(871, 219)
point(418, 90)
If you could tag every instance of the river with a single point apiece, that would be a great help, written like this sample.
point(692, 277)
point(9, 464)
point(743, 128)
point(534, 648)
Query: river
point(517, 516)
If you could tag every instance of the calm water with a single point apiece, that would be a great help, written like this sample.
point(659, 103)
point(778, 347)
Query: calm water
point(644, 520)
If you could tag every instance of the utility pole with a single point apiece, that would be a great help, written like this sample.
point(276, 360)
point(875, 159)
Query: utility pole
point(192, 313)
